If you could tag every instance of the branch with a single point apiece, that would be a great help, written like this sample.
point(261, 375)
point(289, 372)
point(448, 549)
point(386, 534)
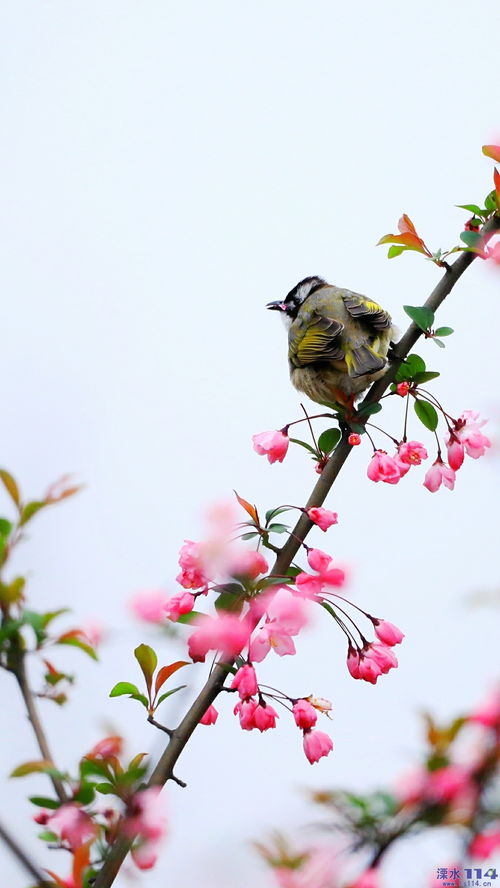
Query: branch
point(23, 859)
point(215, 683)
point(19, 670)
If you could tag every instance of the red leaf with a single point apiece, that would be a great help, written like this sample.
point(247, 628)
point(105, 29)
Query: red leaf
point(81, 861)
point(492, 151)
point(496, 179)
point(249, 509)
point(406, 225)
point(166, 671)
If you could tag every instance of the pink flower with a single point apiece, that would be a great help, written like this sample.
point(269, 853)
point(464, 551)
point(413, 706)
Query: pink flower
point(388, 632)
point(488, 713)
point(304, 714)
point(484, 844)
point(248, 563)
point(403, 388)
point(42, 817)
point(94, 632)
point(245, 681)
point(311, 585)
point(210, 717)
point(383, 468)
point(439, 474)
point(149, 605)
point(316, 745)
point(271, 636)
point(145, 854)
point(467, 430)
point(456, 453)
point(383, 656)
point(369, 879)
point(354, 439)
point(412, 453)
point(109, 746)
point(322, 517)
point(180, 603)
point(72, 824)
point(255, 715)
point(370, 662)
point(286, 617)
point(192, 562)
point(147, 816)
point(225, 633)
point(369, 670)
point(318, 869)
point(274, 445)
point(445, 784)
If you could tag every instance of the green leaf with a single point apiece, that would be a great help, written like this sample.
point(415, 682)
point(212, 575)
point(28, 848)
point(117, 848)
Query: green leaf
point(45, 802)
point(188, 618)
point(273, 513)
point(47, 836)
point(278, 528)
point(490, 201)
point(5, 527)
point(473, 239)
point(369, 409)
point(30, 509)
point(426, 414)
point(423, 317)
point(395, 250)
point(41, 766)
point(35, 620)
point(85, 794)
point(231, 599)
point(105, 788)
point(438, 342)
point(141, 699)
point(75, 641)
point(123, 687)
point(411, 365)
point(472, 208)
point(303, 444)
point(444, 331)
point(425, 376)
point(248, 536)
point(169, 694)
point(89, 767)
point(328, 440)
point(148, 662)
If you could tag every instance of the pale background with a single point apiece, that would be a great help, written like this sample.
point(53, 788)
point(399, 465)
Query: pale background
point(167, 169)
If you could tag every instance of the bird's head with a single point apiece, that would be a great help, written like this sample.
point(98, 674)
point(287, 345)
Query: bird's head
point(294, 299)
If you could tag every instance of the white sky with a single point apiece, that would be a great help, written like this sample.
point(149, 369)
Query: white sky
point(167, 169)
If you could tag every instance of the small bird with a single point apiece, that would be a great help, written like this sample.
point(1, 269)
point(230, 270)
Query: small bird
point(337, 341)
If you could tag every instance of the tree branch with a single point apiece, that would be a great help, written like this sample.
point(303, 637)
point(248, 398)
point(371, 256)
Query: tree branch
point(214, 685)
point(24, 860)
point(19, 670)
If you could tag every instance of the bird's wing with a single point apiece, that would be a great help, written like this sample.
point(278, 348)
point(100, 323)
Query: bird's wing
point(319, 340)
point(361, 308)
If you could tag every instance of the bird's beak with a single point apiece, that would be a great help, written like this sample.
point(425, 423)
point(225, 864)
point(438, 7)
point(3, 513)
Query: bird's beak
point(276, 306)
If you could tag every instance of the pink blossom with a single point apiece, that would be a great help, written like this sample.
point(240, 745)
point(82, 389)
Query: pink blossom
point(403, 388)
point(180, 603)
point(272, 444)
point(245, 710)
point(145, 854)
point(226, 633)
point(369, 879)
point(304, 714)
point(456, 453)
point(353, 661)
point(72, 824)
point(388, 632)
point(322, 517)
point(412, 453)
point(354, 439)
point(488, 713)
point(288, 609)
point(271, 636)
point(248, 563)
point(94, 632)
point(370, 662)
point(192, 562)
point(109, 746)
point(384, 657)
point(383, 468)
point(319, 869)
point(286, 616)
point(245, 681)
point(311, 585)
point(439, 474)
point(445, 784)
point(210, 717)
point(316, 745)
point(484, 844)
point(467, 430)
point(369, 669)
point(147, 816)
point(264, 717)
point(149, 605)
point(42, 817)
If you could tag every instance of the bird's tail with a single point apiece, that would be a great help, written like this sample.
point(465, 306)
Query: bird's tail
point(363, 360)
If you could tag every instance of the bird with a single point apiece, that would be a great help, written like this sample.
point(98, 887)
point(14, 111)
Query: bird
point(338, 341)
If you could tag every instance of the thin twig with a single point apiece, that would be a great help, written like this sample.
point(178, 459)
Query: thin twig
point(215, 682)
point(24, 860)
point(19, 670)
